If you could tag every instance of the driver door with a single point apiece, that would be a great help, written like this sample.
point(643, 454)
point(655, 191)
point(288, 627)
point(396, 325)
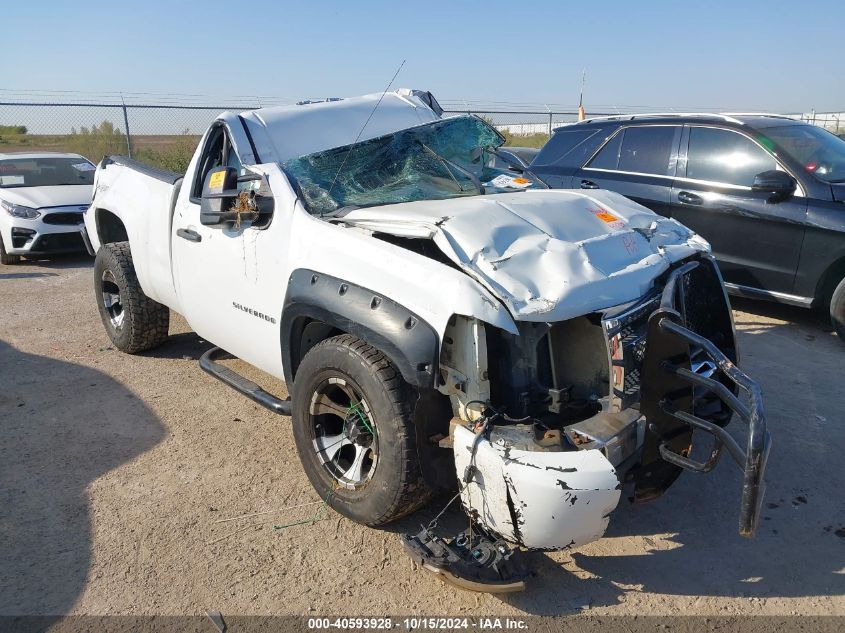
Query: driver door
point(221, 286)
point(756, 239)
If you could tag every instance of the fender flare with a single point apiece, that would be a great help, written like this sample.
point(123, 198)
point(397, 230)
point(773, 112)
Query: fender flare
point(411, 343)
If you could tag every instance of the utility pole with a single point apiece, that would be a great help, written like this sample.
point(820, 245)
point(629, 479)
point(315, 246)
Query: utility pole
point(126, 128)
point(582, 114)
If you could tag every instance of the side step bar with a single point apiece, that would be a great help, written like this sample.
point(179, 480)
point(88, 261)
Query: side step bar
point(209, 364)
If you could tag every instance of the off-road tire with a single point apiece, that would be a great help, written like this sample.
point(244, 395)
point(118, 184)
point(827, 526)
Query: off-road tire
point(5, 258)
point(837, 310)
point(397, 487)
point(145, 322)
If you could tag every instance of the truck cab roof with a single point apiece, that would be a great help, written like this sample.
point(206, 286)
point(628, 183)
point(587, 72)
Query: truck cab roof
point(297, 130)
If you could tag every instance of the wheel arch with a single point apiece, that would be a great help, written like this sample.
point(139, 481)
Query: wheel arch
point(829, 279)
point(318, 306)
point(110, 228)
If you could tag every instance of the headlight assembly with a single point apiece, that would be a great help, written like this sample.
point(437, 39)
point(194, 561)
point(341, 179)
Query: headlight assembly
point(19, 211)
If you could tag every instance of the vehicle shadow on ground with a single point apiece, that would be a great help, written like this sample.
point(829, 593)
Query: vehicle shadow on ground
point(686, 543)
point(58, 262)
point(48, 459)
point(184, 346)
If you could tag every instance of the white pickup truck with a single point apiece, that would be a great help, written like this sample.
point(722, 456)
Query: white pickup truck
point(438, 322)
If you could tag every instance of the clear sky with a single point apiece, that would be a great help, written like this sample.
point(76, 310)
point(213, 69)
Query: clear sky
point(760, 55)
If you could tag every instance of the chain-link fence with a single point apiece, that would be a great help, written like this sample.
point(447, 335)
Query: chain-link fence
point(166, 135)
point(831, 121)
point(163, 135)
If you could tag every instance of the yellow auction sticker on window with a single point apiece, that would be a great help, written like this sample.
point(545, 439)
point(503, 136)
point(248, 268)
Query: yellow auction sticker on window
point(216, 180)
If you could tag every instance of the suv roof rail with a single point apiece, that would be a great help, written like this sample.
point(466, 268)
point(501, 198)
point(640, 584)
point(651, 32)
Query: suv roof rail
point(771, 114)
point(645, 115)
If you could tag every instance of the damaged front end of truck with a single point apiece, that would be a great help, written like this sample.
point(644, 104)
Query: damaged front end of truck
point(553, 421)
point(621, 349)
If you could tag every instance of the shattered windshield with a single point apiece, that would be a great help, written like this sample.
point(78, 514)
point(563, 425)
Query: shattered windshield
point(445, 159)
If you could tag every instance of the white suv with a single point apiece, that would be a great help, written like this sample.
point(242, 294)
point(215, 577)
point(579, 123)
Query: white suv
point(43, 197)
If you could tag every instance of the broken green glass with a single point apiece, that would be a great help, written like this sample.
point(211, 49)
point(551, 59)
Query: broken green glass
point(444, 159)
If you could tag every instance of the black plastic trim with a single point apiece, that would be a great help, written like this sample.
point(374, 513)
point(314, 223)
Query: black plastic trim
point(189, 234)
point(69, 242)
point(410, 343)
point(170, 177)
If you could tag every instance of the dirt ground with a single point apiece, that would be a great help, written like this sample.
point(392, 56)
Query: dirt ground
point(117, 475)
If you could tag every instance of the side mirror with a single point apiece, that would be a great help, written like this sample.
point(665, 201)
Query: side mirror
point(218, 195)
point(778, 183)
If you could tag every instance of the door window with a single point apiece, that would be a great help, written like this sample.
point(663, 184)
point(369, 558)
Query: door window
point(608, 156)
point(645, 149)
point(725, 156)
point(218, 152)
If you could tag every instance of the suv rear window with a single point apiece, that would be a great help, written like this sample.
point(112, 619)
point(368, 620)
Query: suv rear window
point(646, 150)
point(569, 147)
point(725, 156)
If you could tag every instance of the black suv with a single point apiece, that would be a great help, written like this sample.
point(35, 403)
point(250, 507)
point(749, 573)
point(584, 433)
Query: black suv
point(766, 191)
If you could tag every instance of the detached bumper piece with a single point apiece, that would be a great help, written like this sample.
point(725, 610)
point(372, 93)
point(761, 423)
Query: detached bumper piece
point(673, 388)
point(472, 560)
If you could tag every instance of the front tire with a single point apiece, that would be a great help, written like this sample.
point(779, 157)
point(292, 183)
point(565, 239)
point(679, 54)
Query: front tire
point(5, 258)
point(837, 310)
point(352, 422)
point(133, 321)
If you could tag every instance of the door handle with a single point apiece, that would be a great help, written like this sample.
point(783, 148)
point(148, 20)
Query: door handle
point(588, 184)
point(689, 198)
point(189, 234)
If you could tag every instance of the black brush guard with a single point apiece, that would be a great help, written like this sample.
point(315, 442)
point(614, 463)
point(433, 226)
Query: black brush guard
point(670, 388)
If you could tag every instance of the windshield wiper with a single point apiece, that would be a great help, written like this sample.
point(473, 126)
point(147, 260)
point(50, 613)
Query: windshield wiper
point(475, 180)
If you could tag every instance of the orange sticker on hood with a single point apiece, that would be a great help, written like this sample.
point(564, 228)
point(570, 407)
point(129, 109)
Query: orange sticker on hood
point(605, 216)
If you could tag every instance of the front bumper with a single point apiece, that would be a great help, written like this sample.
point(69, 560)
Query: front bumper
point(34, 237)
point(537, 499)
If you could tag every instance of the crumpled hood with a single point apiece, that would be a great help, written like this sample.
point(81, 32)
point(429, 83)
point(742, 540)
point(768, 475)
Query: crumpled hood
point(56, 196)
point(549, 255)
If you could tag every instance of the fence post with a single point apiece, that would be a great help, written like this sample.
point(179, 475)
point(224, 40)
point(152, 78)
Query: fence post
point(126, 127)
point(550, 123)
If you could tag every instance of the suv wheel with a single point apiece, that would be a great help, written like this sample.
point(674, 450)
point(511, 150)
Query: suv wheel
point(133, 321)
point(5, 258)
point(352, 422)
point(837, 310)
